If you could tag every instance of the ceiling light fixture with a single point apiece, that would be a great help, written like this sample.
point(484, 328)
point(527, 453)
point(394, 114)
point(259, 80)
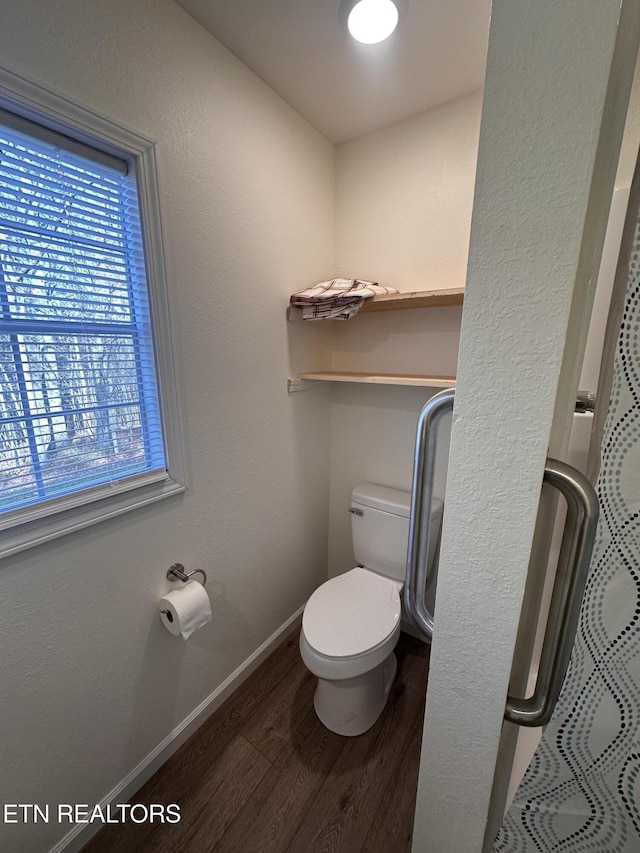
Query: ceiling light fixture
point(370, 21)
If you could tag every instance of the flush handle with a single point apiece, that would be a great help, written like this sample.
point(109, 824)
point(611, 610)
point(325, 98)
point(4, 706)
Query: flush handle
point(355, 511)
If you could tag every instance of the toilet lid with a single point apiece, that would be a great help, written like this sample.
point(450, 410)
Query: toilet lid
point(351, 613)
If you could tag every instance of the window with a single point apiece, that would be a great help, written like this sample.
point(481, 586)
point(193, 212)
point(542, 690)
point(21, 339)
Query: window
point(81, 422)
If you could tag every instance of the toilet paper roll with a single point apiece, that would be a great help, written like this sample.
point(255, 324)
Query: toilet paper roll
point(187, 609)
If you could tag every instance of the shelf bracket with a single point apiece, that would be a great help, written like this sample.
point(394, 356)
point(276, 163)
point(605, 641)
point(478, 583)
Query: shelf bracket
point(301, 385)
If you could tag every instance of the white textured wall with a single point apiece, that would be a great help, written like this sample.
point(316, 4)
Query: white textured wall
point(373, 427)
point(372, 440)
point(404, 199)
point(90, 682)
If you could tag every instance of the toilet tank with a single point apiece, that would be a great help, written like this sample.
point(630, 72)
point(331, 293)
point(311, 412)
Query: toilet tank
point(380, 528)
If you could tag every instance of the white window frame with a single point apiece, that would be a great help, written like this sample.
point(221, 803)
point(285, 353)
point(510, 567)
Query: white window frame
point(90, 506)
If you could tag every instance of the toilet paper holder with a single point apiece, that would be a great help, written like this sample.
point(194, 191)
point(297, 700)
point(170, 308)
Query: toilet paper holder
point(177, 573)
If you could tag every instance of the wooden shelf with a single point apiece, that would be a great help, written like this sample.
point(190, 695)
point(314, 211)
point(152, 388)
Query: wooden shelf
point(382, 378)
point(415, 299)
point(392, 302)
point(401, 302)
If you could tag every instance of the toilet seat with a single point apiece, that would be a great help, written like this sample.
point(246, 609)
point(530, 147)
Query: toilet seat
point(352, 614)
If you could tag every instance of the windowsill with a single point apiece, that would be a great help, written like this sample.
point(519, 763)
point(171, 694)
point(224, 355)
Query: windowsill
point(39, 531)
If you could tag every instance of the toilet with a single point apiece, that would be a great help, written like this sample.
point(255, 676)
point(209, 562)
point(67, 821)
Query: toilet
point(351, 624)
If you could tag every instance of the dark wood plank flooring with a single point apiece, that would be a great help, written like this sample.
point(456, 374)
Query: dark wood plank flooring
point(263, 775)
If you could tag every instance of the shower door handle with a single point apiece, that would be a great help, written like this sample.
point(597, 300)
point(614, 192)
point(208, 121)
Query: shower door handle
point(420, 516)
point(564, 612)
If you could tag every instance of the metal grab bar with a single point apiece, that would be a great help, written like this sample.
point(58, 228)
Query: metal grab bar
point(420, 517)
point(571, 577)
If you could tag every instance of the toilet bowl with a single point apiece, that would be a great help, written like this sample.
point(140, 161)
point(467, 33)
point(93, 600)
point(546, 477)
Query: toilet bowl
point(350, 628)
point(351, 624)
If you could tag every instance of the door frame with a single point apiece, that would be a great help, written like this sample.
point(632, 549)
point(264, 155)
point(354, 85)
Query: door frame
point(558, 82)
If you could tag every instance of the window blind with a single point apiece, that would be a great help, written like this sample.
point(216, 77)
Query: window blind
point(78, 392)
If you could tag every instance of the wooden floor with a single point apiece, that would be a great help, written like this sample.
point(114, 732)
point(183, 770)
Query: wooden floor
point(262, 775)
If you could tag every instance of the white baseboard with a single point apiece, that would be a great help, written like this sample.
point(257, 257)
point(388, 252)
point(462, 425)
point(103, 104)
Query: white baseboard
point(74, 840)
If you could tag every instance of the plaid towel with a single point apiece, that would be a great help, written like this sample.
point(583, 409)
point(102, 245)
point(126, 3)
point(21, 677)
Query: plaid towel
point(338, 299)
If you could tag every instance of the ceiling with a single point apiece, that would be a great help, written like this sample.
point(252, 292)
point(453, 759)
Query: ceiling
point(346, 89)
